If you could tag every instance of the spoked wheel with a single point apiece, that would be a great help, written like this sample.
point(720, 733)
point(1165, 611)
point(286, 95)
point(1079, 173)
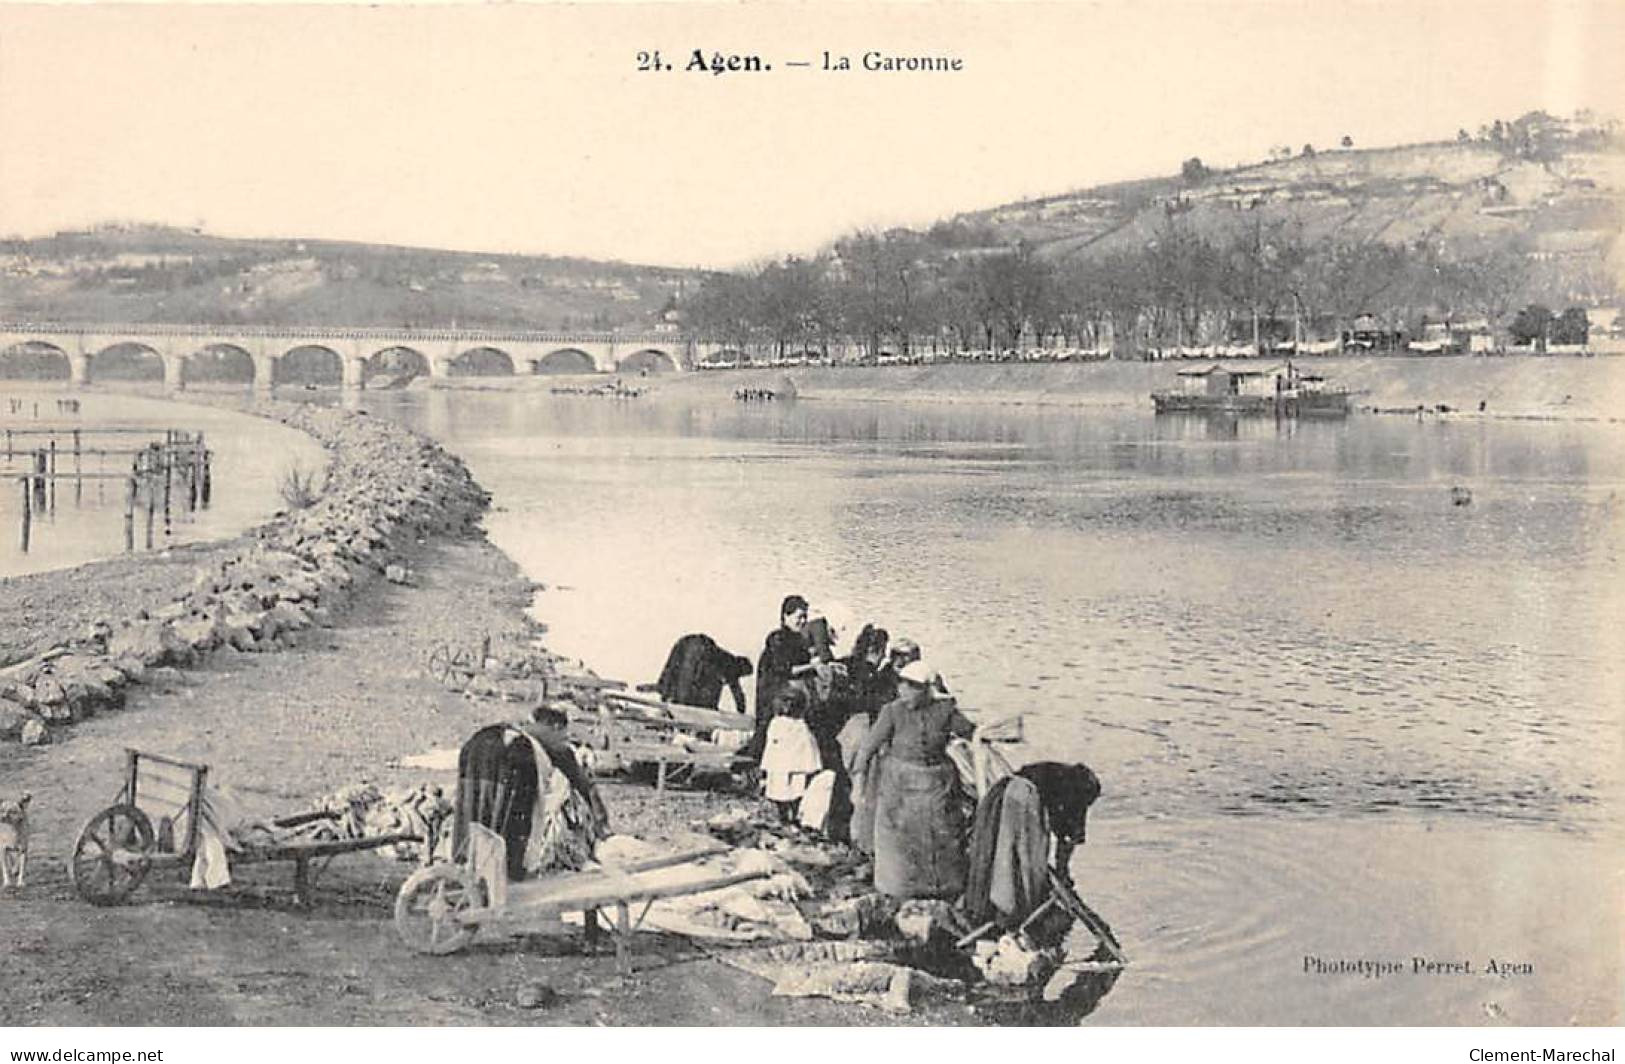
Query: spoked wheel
point(112, 855)
point(452, 666)
point(429, 907)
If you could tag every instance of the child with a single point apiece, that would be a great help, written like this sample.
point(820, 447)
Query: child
point(790, 757)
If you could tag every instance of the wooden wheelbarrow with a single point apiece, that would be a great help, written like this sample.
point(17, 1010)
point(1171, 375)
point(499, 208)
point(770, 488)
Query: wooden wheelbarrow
point(440, 908)
point(120, 845)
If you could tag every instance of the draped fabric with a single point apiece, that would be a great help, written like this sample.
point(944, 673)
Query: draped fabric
point(496, 787)
point(816, 803)
point(1009, 854)
point(526, 787)
point(862, 829)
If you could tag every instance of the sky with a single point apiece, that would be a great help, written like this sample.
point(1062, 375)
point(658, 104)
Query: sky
point(528, 127)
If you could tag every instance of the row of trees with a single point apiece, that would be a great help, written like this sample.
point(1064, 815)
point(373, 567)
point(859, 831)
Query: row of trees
point(889, 291)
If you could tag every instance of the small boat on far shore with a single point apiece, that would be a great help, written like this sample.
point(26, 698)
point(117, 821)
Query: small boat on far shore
point(1278, 389)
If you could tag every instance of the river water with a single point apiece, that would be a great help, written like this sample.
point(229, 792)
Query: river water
point(1340, 713)
point(86, 519)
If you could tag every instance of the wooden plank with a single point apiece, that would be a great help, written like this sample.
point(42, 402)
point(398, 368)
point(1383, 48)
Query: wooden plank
point(305, 850)
point(163, 760)
point(601, 893)
point(677, 715)
point(656, 752)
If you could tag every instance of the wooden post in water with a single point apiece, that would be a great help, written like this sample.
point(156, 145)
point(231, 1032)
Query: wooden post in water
point(52, 471)
point(168, 470)
point(143, 470)
point(78, 471)
point(28, 514)
point(8, 445)
point(129, 514)
point(39, 480)
point(197, 471)
point(208, 480)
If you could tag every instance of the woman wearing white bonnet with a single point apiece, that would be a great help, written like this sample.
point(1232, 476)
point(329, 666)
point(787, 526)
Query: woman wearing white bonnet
point(918, 847)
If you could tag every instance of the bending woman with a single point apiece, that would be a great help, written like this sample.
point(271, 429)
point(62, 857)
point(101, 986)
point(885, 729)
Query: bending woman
point(919, 825)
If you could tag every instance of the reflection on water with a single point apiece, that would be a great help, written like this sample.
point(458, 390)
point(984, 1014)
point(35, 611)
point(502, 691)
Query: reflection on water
point(1241, 623)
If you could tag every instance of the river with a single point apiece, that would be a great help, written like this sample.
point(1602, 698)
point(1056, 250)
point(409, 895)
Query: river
point(1341, 711)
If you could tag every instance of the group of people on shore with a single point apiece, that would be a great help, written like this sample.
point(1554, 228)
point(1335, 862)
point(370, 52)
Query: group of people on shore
point(859, 746)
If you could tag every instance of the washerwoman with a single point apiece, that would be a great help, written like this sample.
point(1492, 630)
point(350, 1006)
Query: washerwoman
point(919, 824)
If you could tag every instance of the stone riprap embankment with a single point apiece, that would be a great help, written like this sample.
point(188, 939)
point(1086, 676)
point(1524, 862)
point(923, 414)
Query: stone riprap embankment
point(386, 489)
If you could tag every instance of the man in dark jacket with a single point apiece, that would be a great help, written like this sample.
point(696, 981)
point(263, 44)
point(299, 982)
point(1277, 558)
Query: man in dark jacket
point(697, 670)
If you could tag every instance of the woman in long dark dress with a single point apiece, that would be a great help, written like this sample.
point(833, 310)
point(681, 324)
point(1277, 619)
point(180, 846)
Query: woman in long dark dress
point(919, 824)
point(784, 652)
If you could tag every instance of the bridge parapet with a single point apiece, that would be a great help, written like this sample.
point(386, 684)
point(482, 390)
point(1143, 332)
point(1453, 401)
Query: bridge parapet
point(340, 332)
point(355, 345)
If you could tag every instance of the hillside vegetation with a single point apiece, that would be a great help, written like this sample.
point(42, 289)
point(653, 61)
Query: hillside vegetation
point(1313, 246)
point(1463, 194)
point(142, 273)
point(1522, 211)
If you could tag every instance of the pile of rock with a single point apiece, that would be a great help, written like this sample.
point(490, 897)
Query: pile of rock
point(386, 490)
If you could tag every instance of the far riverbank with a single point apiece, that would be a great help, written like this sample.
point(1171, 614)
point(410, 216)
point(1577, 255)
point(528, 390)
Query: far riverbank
point(1519, 386)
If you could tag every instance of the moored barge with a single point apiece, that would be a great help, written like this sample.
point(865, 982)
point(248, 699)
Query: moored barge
point(1278, 389)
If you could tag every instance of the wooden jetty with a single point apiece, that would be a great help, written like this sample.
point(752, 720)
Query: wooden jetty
point(168, 469)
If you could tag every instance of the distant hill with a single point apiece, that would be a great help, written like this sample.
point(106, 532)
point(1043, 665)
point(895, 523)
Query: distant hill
point(144, 273)
point(1558, 195)
point(1552, 190)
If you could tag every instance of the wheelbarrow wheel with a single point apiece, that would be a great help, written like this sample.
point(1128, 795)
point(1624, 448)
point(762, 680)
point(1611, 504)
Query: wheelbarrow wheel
point(430, 905)
point(451, 666)
point(112, 855)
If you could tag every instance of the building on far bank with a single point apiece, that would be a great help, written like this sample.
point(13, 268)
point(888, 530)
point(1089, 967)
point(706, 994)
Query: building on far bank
point(1371, 335)
point(1454, 336)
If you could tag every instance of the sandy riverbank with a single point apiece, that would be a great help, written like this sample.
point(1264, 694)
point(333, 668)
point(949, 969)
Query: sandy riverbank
point(337, 703)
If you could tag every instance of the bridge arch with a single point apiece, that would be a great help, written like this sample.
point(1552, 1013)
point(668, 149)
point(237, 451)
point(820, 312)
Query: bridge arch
point(481, 361)
point(309, 364)
point(648, 360)
point(128, 360)
point(35, 360)
point(221, 362)
point(399, 364)
point(566, 360)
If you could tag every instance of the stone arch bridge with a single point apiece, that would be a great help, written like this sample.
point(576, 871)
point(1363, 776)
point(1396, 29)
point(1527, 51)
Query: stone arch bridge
point(439, 352)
